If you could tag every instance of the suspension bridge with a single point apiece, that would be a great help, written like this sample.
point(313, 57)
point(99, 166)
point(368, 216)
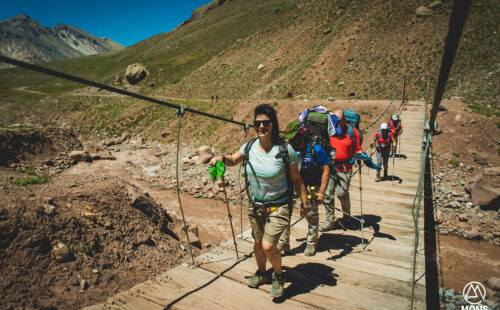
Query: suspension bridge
point(379, 267)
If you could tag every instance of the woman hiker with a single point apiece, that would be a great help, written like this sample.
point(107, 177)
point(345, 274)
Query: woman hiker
point(384, 142)
point(267, 160)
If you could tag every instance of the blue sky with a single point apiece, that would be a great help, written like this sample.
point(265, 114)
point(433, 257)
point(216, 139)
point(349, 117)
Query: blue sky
point(126, 22)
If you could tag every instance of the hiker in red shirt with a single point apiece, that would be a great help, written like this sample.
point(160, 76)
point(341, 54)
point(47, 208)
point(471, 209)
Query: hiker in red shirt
point(339, 183)
point(385, 142)
point(395, 126)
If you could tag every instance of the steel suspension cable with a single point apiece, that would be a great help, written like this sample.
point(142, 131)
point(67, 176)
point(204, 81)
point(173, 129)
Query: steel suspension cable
point(239, 187)
point(426, 138)
point(110, 88)
point(457, 21)
point(417, 201)
point(180, 114)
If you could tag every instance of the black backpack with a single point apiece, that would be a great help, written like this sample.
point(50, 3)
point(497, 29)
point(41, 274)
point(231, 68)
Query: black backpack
point(315, 120)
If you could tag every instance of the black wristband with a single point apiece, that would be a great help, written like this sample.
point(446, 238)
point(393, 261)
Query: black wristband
point(224, 159)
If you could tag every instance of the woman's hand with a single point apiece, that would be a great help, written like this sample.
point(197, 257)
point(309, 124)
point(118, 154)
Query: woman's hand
point(215, 159)
point(321, 197)
point(228, 160)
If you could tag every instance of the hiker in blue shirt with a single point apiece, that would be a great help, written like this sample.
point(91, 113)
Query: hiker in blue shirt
point(314, 167)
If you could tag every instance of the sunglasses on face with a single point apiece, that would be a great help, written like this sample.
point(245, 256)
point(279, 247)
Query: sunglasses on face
point(265, 123)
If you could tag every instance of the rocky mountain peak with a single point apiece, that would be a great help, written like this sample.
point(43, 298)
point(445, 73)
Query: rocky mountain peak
point(24, 38)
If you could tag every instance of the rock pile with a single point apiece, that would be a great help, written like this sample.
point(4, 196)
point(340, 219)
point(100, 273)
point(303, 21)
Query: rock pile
point(194, 178)
point(457, 213)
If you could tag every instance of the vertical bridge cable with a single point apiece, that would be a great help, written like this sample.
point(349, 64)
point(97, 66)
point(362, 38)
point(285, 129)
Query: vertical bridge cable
point(417, 201)
point(180, 114)
point(457, 21)
point(245, 128)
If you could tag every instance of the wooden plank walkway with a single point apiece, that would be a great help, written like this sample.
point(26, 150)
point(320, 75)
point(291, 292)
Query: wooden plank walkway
point(342, 275)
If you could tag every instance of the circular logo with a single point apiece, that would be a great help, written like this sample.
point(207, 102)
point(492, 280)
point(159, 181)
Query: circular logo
point(474, 292)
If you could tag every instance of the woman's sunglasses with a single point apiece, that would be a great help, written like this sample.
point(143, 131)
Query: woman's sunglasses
point(257, 124)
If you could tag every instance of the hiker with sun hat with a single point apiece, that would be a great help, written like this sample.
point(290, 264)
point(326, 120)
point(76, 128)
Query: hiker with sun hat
point(385, 143)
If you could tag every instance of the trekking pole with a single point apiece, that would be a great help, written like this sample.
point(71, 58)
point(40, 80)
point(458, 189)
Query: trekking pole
point(393, 173)
point(399, 143)
point(361, 206)
point(229, 215)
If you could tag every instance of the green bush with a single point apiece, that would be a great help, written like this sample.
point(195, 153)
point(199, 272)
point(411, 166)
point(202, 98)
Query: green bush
point(455, 154)
point(453, 162)
point(36, 180)
point(29, 171)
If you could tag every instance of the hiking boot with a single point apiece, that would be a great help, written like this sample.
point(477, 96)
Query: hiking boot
point(278, 284)
point(326, 226)
point(310, 250)
point(258, 278)
point(377, 179)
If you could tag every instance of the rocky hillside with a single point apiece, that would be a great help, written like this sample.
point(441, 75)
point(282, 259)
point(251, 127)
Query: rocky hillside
point(23, 38)
point(277, 49)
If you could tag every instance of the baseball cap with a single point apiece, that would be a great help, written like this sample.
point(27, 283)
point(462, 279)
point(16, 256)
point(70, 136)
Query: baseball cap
point(394, 117)
point(292, 129)
point(383, 126)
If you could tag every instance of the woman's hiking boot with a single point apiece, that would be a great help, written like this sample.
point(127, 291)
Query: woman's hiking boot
point(258, 278)
point(278, 284)
point(310, 250)
point(326, 226)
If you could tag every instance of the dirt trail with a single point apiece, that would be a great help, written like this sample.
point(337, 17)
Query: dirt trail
point(30, 91)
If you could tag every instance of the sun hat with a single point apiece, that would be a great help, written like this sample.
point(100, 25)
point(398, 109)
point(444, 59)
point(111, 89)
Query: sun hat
point(291, 130)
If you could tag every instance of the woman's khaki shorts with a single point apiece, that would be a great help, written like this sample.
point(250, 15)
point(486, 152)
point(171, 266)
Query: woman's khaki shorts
point(270, 231)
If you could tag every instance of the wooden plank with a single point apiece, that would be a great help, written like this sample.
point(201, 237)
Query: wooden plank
point(185, 287)
point(340, 282)
point(355, 264)
point(222, 293)
point(340, 238)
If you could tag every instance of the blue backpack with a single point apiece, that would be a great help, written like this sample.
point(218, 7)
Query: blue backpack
point(352, 118)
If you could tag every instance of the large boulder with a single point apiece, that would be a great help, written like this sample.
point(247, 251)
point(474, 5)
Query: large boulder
point(485, 188)
point(136, 73)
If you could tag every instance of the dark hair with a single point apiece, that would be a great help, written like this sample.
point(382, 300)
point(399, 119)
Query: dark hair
point(270, 112)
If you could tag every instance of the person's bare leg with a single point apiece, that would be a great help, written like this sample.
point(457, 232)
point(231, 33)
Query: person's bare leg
point(274, 256)
point(260, 255)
